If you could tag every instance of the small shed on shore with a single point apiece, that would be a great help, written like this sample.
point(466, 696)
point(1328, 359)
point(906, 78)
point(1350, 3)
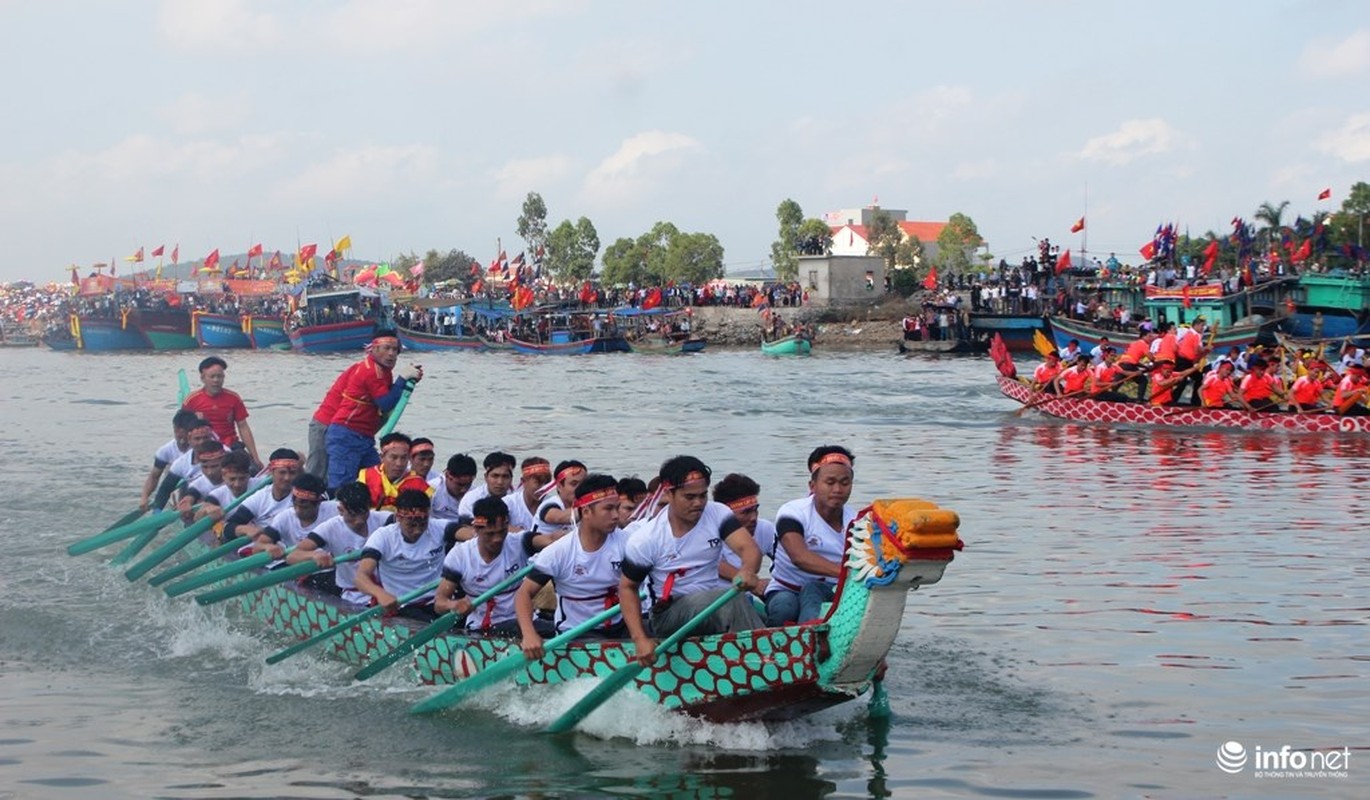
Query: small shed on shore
point(838, 280)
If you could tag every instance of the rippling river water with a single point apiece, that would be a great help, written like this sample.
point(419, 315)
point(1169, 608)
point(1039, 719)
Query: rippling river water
point(1129, 601)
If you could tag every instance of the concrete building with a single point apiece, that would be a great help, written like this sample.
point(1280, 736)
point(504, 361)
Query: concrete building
point(835, 280)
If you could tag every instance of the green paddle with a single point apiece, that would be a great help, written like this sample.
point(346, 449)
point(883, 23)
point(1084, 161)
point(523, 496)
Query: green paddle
point(271, 578)
point(134, 547)
point(394, 418)
point(503, 668)
point(152, 522)
point(125, 519)
point(185, 388)
point(624, 675)
point(199, 561)
point(185, 537)
point(437, 628)
point(244, 564)
point(355, 619)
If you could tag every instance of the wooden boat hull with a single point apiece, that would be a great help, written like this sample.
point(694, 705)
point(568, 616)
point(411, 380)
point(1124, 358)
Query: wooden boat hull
point(764, 674)
point(1016, 329)
point(661, 347)
point(165, 330)
point(265, 333)
point(106, 334)
point(945, 346)
point(338, 337)
point(220, 331)
point(788, 346)
point(423, 342)
point(574, 347)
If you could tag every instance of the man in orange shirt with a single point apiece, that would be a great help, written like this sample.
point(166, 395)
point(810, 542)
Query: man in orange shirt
point(223, 408)
point(1131, 362)
point(1259, 387)
point(385, 481)
point(1220, 389)
point(1074, 380)
point(1349, 399)
point(1044, 377)
point(1307, 394)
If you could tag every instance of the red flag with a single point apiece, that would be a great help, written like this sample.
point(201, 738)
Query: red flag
point(212, 260)
point(1210, 257)
point(930, 282)
point(1184, 294)
point(1325, 194)
point(307, 253)
point(75, 278)
point(1063, 263)
point(254, 250)
point(1078, 226)
point(477, 286)
point(652, 300)
point(1302, 254)
point(161, 248)
point(176, 254)
point(1148, 250)
point(275, 262)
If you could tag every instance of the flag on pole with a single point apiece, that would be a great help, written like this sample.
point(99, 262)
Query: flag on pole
point(275, 262)
point(930, 282)
point(1325, 194)
point(176, 254)
point(307, 253)
point(136, 257)
point(161, 248)
point(1063, 263)
point(1078, 226)
point(1148, 250)
point(416, 270)
point(345, 243)
point(212, 260)
point(254, 250)
point(1210, 257)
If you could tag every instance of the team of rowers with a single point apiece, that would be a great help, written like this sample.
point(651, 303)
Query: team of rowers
point(1166, 360)
point(664, 550)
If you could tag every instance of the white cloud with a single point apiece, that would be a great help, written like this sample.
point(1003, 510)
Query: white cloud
point(1333, 58)
point(1350, 142)
point(140, 158)
point(1132, 140)
point(196, 114)
point(520, 176)
point(364, 173)
point(219, 25)
point(641, 161)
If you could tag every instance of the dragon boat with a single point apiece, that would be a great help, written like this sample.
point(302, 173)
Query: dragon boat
point(893, 547)
point(1081, 409)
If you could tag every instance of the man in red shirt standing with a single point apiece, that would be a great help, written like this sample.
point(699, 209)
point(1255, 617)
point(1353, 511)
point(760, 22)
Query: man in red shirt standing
point(222, 408)
point(369, 391)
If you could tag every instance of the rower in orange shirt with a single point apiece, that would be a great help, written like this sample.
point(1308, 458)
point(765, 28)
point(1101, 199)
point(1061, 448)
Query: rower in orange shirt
point(1259, 387)
point(1220, 388)
point(1133, 359)
point(1044, 377)
point(1349, 399)
point(1074, 380)
point(1164, 379)
point(1309, 389)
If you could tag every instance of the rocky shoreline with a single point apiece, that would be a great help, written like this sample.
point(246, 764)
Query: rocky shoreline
point(862, 328)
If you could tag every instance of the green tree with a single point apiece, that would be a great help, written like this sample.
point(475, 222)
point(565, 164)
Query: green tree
point(883, 237)
point(663, 254)
point(1273, 217)
point(439, 267)
point(783, 256)
point(571, 250)
point(957, 240)
point(815, 239)
point(1356, 208)
point(625, 262)
point(694, 258)
point(532, 223)
point(908, 254)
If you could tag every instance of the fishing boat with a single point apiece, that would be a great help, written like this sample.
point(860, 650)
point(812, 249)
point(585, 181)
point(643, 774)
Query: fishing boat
point(940, 346)
point(795, 345)
point(16, 336)
point(893, 547)
point(164, 329)
point(1238, 319)
point(337, 320)
point(1017, 330)
point(657, 330)
point(265, 333)
point(220, 331)
point(1080, 409)
point(1330, 305)
point(426, 342)
point(102, 334)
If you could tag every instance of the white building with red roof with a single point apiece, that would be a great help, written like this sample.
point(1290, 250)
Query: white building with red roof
point(850, 227)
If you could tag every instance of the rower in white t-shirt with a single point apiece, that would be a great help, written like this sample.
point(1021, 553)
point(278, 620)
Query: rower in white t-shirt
point(403, 558)
point(346, 532)
point(810, 538)
point(741, 495)
point(477, 565)
point(257, 511)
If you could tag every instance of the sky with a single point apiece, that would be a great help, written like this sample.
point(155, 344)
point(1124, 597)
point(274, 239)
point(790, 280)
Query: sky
point(411, 125)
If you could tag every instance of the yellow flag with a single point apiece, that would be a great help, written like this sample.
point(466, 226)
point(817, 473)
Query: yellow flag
point(345, 243)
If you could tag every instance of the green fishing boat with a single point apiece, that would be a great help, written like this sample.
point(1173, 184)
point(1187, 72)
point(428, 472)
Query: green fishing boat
point(788, 346)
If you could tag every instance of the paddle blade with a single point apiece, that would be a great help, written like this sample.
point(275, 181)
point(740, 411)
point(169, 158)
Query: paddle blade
point(135, 547)
point(129, 530)
point(456, 693)
point(195, 563)
point(879, 705)
point(438, 627)
point(168, 548)
point(269, 579)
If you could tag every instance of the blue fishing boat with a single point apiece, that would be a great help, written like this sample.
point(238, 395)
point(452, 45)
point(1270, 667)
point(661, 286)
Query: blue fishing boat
point(265, 333)
point(100, 334)
point(337, 320)
point(1017, 330)
point(1330, 305)
point(222, 331)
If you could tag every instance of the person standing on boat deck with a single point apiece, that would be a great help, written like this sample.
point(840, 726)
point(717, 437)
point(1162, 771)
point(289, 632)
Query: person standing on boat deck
point(317, 460)
point(222, 407)
point(586, 565)
point(678, 552)
point(257, 511)
point(387, 479)
point(742, 496)
point(404, 557)
point(451, 486)
point(556, 514)
point(186, 467)
point(535, 472)
point(1349, 398)
point(474, 567)
point(1189, 351)
point(345, 533)
point(1044, 376)
point(290, 527)
point(810, 540)
point(422, 456)
point(370, 391)
point(181, 422)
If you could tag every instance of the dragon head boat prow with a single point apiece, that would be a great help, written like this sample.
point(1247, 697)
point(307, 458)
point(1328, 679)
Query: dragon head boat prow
point(893, 546)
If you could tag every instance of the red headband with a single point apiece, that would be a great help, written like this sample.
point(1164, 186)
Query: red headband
point(210, 456)
point(694, 476)
point(380, 339)
point(305, 494)
point(394, 445)
point(833, 458)
point(596, 496)
point(411, 513)
point(537, 469)
point(279, 463)
point(423, 447)
point(744, 503)
point(569, 472)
